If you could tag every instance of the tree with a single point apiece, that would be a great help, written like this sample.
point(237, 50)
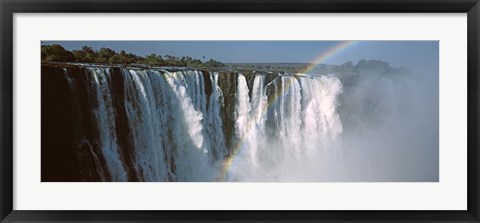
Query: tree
point(194, 63)
point(79, 55)
point(56, 53)
point(104, 55)
point(152, 59)
point(170, 60)
point(88, 55)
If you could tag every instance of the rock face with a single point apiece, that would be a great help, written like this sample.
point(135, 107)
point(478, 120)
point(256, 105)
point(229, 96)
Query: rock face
point(228, 84)
point(59, 159)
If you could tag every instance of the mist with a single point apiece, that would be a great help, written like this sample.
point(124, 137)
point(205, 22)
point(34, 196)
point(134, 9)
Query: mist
point(388, 131)
point(391, 124)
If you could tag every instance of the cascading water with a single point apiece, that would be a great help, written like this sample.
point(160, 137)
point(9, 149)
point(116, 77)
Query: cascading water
point(104, 115)
point(281, 123)
point(190, 125)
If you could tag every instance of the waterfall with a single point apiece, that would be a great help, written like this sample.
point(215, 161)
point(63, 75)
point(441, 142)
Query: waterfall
point(105, 117)
point(172, 125)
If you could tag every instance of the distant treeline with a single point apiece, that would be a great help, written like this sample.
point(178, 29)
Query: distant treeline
point(56, 53)
point(273, 67)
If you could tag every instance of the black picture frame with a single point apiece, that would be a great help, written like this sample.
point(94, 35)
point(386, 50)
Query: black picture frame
point(9, 7)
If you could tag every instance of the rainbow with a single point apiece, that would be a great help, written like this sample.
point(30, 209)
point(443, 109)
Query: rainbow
point(229, 161)
point(327, 55)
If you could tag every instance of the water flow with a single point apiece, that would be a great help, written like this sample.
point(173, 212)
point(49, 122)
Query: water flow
point(176, 130)
point(286, 122)
point(105, 116)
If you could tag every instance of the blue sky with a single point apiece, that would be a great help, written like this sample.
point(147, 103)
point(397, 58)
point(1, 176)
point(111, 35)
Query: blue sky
point(416, 55)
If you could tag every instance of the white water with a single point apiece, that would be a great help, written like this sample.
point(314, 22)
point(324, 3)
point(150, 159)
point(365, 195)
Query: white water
point(177, 130)
point(283, 136)
point(166, 117)
point(103, 111)
point(280, 128)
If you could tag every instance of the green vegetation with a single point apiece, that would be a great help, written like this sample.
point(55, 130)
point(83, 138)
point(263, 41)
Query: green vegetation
point(56, 53)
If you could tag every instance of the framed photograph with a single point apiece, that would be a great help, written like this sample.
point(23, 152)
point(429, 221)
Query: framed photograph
point(202, 111)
